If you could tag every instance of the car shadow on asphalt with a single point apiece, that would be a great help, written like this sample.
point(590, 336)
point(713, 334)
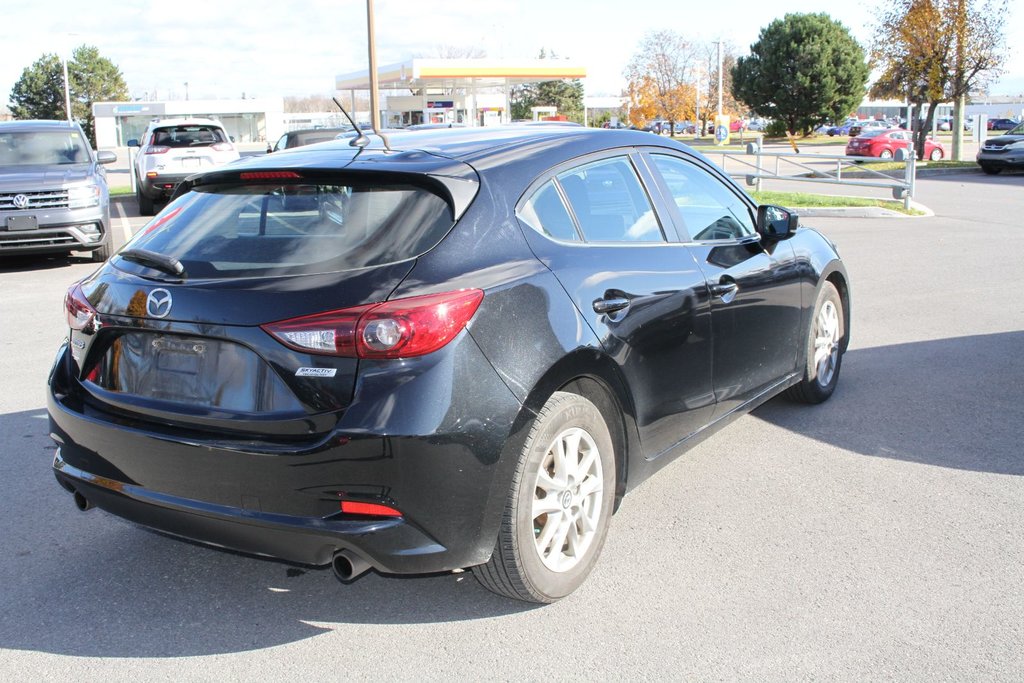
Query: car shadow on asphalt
point(92, 585)
point(955, 402)
point(22, 264)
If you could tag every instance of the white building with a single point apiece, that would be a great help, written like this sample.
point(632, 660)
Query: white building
point(256, 120)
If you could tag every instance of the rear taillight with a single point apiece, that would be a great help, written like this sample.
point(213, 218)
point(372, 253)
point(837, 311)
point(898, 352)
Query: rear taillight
point(222, 146)
point(403, 328)
point(79, 311)
point(157, 149)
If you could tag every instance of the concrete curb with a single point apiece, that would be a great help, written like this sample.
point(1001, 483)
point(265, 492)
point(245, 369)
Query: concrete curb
point(859, 211)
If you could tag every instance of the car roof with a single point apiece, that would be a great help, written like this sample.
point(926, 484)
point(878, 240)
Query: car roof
point(468, 144)
point(37, 125)
point(163, 123)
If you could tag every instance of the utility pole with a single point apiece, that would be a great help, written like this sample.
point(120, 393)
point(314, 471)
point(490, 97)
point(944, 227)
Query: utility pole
point(186, 91)
point(371, 46)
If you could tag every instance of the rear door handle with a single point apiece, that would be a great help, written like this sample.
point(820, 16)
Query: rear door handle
point(723, 288)
point(610, 305)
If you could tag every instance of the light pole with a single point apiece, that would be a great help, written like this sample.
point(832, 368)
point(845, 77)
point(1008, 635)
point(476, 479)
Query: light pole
point(186, 91)
point(372, 48)
point(719, 76)
point(67, 91)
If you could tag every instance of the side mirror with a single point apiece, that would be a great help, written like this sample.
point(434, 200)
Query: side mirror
point(133, 143)
point(105, 157)
point(775, 222)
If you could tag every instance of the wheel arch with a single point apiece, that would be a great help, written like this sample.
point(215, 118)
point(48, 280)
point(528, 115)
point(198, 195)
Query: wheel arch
point(592, 374)
point(835, 275)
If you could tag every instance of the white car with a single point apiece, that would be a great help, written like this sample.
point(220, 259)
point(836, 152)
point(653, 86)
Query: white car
point(173, 149)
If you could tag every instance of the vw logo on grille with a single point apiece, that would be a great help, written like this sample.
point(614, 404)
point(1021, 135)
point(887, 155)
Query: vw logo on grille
point(158, 303)
point(20, 201)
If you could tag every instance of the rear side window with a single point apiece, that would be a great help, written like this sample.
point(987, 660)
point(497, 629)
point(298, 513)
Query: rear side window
point(267, 230)
point(188, 136)
point(609, 202)
point(546, 214)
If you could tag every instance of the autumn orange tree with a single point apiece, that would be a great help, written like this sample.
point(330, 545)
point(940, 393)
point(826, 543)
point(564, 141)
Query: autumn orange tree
point(935, 51)
point(660, 79)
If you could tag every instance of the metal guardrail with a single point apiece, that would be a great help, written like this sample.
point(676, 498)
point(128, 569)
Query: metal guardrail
point(827, 168)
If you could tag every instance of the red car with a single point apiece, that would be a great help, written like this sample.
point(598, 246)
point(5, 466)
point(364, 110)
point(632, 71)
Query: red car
point(884, 143)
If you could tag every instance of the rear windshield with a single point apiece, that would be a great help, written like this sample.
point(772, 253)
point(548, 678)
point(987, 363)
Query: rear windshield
point(43, 148)
point(294, 229)
point(873, 133)
point(188, 136)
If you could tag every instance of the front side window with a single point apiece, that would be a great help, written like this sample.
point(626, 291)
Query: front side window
point(709, 209)
point(301, 228)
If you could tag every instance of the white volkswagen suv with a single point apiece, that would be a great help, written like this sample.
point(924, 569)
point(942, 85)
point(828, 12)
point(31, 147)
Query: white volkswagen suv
point(173, 149)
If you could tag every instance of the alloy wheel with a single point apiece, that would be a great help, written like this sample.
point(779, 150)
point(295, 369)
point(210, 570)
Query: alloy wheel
point(567, 500)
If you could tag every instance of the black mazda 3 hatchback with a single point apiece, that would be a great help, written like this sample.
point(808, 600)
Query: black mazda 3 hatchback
point(457, 350)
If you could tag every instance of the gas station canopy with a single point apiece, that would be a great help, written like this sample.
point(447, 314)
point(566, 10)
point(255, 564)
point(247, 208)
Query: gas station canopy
point(420, 74)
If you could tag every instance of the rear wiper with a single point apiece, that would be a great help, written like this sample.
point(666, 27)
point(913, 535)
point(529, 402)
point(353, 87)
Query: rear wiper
point(168, 264)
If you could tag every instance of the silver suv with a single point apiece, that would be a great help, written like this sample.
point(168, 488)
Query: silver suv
point(53, 190)
point(173, 149)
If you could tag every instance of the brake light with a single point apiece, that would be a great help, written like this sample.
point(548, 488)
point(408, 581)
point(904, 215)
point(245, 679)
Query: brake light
point(80, 313)
point(403, 328)
point(268, 175)
point(222, 146)
point(353, 507)
point(157, 149)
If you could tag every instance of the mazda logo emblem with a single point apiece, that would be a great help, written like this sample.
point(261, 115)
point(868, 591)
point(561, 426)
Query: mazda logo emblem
point(158, 303)
point(20, 201)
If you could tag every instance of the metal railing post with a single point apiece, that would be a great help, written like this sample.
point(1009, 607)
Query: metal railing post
point(910, 175)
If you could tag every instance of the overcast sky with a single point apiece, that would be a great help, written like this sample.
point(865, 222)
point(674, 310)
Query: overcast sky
point(224, 48)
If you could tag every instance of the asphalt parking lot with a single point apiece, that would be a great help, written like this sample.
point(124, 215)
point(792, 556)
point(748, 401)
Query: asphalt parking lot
point(877, 536)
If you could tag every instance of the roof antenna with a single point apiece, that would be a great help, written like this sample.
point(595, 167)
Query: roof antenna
point(361, 140)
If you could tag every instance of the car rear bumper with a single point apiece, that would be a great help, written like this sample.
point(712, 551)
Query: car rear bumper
point(162, 186)
point(446, 475)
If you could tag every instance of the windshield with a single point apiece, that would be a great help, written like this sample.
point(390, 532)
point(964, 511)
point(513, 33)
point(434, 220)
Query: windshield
point(43, 148)
point(301, 228)
point(1018, 130)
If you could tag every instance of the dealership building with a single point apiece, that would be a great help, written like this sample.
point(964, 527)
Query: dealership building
point(244, 120)
point(472, 92)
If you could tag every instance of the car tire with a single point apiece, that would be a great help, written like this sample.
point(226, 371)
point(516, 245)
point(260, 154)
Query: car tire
point(536, 558)
point(885, 154)
point(990, 170)
point(103, 253)
point(936, 154)
point(826, 342)
point(146, 205)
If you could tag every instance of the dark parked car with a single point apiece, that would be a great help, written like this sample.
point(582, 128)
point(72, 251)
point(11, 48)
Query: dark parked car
point(1002, 124)
point(53, 190)
point(1003, 152)
point(306, 136)
point(461, 353)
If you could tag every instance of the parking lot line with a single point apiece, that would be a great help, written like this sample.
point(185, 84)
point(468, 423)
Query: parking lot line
point(125, 225)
